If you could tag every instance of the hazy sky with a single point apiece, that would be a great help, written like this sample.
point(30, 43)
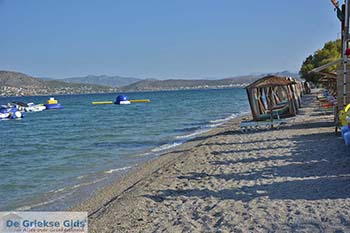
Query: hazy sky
point(161, 38)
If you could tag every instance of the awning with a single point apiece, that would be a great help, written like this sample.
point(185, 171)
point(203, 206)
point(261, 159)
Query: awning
point(270, 81)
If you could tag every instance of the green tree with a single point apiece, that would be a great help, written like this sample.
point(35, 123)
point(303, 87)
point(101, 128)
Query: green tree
point(331, 51)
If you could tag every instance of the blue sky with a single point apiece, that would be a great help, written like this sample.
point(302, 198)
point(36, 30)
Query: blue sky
point(161, 38)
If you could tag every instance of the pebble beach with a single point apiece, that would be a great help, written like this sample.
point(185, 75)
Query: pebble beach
point(292, 179)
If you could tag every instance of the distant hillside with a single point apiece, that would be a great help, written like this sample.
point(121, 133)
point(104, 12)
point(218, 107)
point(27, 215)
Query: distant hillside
point(179, 84)
point(113, 81)
point(285, 74)
point(18, 84)
point(15, 84)
point(182, 84)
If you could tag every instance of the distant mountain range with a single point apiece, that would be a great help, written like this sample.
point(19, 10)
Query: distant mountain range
point(113, 81)
point(19, 84)
point(182, 84)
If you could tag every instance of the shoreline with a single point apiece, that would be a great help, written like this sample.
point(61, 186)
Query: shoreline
point(295, 178)
point(135, 174)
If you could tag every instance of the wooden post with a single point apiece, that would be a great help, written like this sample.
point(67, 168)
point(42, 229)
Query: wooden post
point(250, 92)
point(343, 98)
point(345, 45)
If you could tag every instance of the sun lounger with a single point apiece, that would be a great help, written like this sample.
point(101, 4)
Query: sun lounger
point(327, 106)
point(327, 109)
point(247, 126)
point(277, 111)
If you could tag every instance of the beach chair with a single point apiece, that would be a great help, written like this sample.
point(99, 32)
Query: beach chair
point(247, 126)
point(327, 105)
point(327, 109)
point(277, 111)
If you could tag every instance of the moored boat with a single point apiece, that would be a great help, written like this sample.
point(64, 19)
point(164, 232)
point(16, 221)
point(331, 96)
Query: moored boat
point(35, 107)
point(10, 112)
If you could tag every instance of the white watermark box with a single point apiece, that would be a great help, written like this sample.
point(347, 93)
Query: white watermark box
point(14, 222)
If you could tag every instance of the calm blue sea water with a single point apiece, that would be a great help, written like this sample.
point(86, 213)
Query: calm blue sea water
point(53, 159)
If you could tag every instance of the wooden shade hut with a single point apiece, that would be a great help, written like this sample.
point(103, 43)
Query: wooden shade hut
point(297, 89)
point(271, 97)
point(342, 90)
point(329, 81)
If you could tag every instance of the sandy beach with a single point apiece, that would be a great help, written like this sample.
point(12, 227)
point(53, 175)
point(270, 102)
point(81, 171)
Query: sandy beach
point(292, 179)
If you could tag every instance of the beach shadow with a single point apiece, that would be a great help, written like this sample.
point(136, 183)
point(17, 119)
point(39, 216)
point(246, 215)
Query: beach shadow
point(310, 125)
point(249, 160)
point(244, 143)
point(223, 194)
point(223, 133)
point(249, 150)
point(304, 171)
point(320, 146)
point(312, 189)
point(318, 168)
point(299, 170)
point(315, 155)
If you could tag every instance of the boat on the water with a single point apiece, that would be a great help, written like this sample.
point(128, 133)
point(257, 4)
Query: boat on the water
point(27, 107)
point(12, 112)
point(35, 107)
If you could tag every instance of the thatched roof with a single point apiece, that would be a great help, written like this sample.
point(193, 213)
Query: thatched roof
point(328, 79)
point(328, 74)
point(270, 81)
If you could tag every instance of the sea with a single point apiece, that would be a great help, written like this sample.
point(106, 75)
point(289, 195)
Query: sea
point(54, 159)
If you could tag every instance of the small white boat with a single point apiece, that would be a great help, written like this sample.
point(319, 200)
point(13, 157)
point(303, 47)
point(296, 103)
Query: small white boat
point(4, 115)
point(34, 107)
